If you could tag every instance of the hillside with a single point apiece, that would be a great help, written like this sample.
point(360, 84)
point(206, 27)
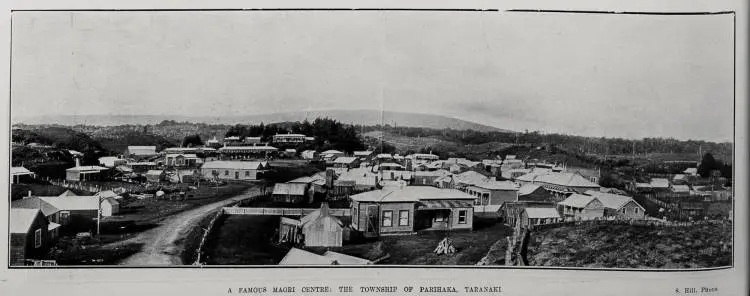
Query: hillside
point(626, 246)
point(361, 117)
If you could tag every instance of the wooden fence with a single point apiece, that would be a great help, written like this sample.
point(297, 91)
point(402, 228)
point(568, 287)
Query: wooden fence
point(281, 211)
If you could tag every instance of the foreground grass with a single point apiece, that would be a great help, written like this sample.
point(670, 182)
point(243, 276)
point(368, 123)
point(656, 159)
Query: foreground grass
point(626, 246)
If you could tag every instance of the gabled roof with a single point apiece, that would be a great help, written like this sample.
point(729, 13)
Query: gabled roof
point(496, 185)
point(565, 179)
point(383, 155)
point(106, 194)
point(410, 194)
point(21, 219)
point(679, 177)
point(345, 160)
point(289, 188)
point(541, 213)
point(528, 189)
point(19, 171)
point(691, 171)
point(470, 178)
point(237, 165)
point(362, 153)
point(301, 257)
point(73, 203)
point(321, 215)
point(577, 200)
point(67, 193)
point(35, 203)
point(343, 259)
point(85, 168)
point(611, 200)
point(331, 152)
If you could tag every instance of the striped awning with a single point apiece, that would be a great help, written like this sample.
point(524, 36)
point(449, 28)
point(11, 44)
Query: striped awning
point(444, 204)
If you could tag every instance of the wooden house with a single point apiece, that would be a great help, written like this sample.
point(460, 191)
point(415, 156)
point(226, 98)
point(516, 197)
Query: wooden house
point(404, 210)
point(84, 173)
point(428, 178)
point(111, 161)
point(581, 207)
point(619, 206)
point(510, 212)
point(234, 170)
point(320, 229)
point(536, 193)
point(346, 162)
point(308, 154)
point(531, 216)
point(493, 193)
point(20, 174)
point(29, 235)
point(291, 193)
point(141, 151)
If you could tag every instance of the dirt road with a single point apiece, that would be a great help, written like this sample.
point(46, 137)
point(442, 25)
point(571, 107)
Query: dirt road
point(160, 245)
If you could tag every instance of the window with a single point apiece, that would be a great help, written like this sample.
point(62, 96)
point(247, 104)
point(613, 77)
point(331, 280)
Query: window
point(226, 173)
point(387, 218)
point(64, 217)
point(623, 210)
point(403, 218)
point(247, 173)
point(635, 210)
point(462, 217)
point(214, 172)
point(37, 238)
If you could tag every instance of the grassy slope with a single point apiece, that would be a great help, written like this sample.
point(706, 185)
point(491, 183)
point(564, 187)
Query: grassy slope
point(624, 246)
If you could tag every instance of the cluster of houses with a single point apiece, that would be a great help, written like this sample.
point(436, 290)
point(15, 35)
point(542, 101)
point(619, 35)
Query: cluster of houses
point(389, 196)
point(37, 221)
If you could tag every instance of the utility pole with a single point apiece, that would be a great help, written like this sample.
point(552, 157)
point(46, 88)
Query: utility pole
point(99, 217)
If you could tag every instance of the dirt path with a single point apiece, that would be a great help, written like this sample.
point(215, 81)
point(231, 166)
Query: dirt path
point(159, 243)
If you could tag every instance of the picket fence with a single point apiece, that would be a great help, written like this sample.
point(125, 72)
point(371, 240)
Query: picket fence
point(281, 211)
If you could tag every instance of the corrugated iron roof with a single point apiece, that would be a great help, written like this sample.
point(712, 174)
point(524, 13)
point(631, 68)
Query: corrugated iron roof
point(541, 213)
point(289, 188)
point(237, 165)
point(577, 200)
point(21, 219)
point(444, 204)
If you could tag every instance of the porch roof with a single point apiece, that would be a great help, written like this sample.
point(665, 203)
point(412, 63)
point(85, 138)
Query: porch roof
point(443, 204)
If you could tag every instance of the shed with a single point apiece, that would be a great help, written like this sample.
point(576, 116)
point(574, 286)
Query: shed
point(29, 235)
point(320, 229)
point(537, 216)
point(18, 174)
point(290, 192)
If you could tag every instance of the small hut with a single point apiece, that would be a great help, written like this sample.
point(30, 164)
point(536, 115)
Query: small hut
point(320, 229)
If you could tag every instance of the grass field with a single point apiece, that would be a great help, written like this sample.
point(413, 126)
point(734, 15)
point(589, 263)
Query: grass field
point(626, 246)
point(240, 240)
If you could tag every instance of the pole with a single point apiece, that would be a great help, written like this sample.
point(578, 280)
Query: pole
point(99, 218)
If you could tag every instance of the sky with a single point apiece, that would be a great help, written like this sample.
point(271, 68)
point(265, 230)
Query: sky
point(629, 76)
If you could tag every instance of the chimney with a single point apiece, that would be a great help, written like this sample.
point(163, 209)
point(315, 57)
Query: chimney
point(78, 162)
point(29, 194)
point(324, 209)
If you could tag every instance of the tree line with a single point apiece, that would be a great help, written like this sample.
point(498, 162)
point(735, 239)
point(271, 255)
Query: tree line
point(329, 133)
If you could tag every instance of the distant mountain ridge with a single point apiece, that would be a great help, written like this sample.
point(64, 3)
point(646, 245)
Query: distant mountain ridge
point(363, 117)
